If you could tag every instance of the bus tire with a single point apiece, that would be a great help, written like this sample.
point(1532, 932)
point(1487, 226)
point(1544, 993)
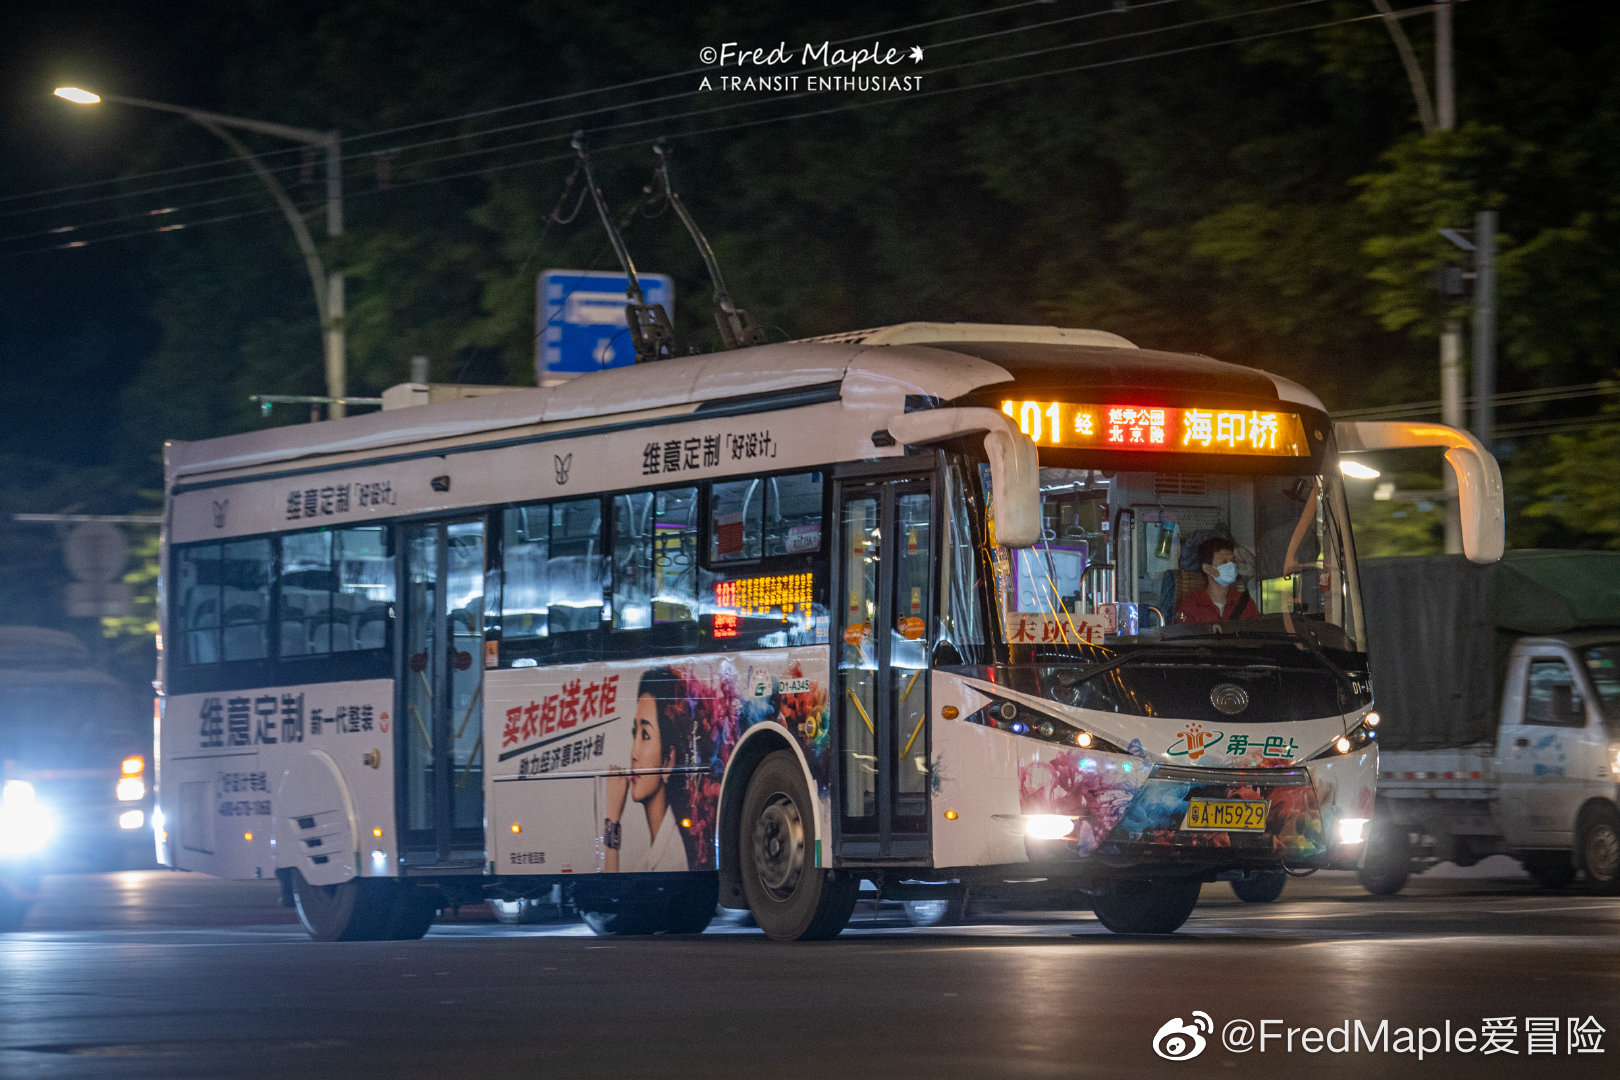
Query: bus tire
point(792, 899)
point(692, 909)
point(1388, 860)
point(1599, 845)
point(353, 910)
point(1260, 888)
point(1550, 869)
point(410, 913)
point(1160, 909)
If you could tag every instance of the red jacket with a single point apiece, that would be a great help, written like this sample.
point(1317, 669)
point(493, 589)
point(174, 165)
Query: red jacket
point(1196, 606)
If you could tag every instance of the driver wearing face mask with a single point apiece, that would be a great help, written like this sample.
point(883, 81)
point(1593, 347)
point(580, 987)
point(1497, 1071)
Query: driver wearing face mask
point(1222, 598)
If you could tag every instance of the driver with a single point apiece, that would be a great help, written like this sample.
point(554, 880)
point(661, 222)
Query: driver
point(1223, 596)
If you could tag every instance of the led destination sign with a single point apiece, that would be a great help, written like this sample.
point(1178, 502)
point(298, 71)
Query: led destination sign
point(1190, 430)
point(787, 597)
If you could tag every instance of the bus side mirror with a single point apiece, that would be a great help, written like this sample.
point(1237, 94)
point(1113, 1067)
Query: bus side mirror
point(1479, 479)
point(1015, 475)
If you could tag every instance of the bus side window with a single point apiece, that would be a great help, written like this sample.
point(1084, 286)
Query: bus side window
point(363, 577)
point(574, 567)
point(198, 574)
point(675, 557)
point(305, 593)
point(245, 600)
point(632, 560)
point(736, 519)
point(793, 514)
point(525, 551)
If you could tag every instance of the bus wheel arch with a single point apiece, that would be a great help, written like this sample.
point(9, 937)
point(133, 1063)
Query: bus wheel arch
point(758, 743)
point(793, 898)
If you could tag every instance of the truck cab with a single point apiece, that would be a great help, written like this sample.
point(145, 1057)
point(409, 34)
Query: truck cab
point(1558, 751)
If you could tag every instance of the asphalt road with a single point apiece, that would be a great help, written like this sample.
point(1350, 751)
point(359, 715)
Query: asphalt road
point(151, 974)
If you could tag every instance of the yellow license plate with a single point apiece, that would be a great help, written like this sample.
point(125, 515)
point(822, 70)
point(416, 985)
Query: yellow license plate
point(1226, 815)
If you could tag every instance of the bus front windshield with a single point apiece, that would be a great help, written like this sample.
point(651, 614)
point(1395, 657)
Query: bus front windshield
point(1126, 557)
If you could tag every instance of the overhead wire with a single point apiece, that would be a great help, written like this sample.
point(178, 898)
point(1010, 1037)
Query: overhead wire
point(487, 169)
point(754, 102)
point(571, 95)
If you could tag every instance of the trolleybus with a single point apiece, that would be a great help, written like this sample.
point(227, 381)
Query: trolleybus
point(907, 605)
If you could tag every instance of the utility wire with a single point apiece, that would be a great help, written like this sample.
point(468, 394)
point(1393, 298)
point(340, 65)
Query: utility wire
point(799, 115)
point(385, 132)
point(750, 103)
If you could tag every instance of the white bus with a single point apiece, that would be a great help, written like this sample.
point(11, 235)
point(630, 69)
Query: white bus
point(897, 605)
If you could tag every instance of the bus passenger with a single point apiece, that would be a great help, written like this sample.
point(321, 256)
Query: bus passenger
point(654, 754)
point(1222, 598)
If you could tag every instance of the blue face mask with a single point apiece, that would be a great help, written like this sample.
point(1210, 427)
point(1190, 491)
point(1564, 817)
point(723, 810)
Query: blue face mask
point(1226, 573)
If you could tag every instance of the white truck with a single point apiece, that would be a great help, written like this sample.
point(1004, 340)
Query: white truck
point(1499, 691)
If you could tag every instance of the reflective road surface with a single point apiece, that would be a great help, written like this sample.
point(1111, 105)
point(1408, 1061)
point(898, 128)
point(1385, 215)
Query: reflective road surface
point(154, 974)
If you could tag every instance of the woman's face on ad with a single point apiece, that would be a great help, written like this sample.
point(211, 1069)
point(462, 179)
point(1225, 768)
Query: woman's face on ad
point(646, 751)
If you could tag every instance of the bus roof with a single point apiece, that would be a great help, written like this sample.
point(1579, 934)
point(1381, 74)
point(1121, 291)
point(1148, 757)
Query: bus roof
point(931, 360)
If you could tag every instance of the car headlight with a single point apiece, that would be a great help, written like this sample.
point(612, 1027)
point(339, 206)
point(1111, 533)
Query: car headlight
point(26, 826)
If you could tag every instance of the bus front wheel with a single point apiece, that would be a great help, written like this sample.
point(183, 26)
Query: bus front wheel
point(792, 899)
point(1158, 910)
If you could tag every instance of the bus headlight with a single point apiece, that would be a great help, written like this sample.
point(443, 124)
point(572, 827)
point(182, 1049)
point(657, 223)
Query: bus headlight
point(1048, 826)
point(26, 826)
point(1353, 830)
point(131, 789)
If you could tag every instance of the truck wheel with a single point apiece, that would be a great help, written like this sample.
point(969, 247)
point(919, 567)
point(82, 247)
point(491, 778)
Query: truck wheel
point(1260, 888)
point(353, 910)
point(1388, 862)
point(792, 899)
point(1158, 910)
point(1600, 849)
point(1550, 869)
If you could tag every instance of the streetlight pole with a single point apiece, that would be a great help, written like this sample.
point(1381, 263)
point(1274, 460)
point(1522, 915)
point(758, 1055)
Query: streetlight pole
point(1441, 115)
point(329, 292)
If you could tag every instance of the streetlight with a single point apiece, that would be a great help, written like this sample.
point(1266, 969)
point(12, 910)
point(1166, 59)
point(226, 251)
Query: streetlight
point(328, 286)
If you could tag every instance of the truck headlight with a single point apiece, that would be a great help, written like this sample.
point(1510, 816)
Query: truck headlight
point(1614, 760)
point(131, 789)
point(26, 826)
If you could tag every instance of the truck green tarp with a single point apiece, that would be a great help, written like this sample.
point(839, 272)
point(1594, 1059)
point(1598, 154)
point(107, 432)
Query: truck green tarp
point(1440, 628)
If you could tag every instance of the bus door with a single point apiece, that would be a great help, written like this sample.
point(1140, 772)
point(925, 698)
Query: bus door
point(441, 749)
point(885, 606)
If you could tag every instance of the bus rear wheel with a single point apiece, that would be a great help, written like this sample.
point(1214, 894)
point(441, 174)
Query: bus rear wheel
point(353, 910)
point(1157, 910)
point(792, 899)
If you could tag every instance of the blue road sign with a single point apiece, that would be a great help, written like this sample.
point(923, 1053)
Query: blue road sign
point(580, 315)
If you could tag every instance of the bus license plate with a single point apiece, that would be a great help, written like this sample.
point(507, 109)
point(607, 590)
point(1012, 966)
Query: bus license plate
point(1226, 815)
